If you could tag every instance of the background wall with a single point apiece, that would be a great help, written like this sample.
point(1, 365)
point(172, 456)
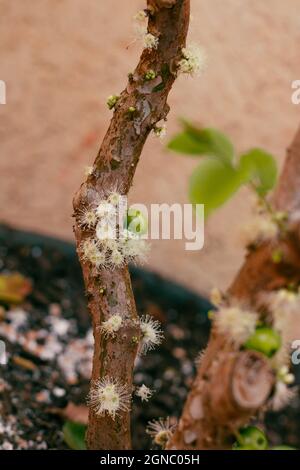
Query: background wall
point(60, 60)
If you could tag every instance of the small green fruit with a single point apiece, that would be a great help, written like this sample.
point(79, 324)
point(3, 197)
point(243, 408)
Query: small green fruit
point(265, 340)
point(251, 438)
point(283, 447)
point(237, 447)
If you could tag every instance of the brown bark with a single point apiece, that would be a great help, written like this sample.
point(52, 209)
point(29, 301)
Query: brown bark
point(231, 386)
point(109, 292)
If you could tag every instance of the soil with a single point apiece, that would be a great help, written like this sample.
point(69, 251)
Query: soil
point(49, 348)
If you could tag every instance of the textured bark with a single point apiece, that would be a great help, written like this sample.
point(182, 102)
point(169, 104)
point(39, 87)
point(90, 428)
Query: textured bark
point(109, 292)
point(231, 386)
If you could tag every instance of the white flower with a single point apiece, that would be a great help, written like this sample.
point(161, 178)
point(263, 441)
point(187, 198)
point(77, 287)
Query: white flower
point(150, 41)
point(111, 326)
point(199, 357)
point(105, 230)
point(160, 131)
point(136, 250)
point(144, 393)
point(194, 60)
point(140, 16)
point(126, 235)
point(92, 254)
point(109, 396)
point(106, 210)
point(87, 247)
point(87, 218)
point(114, 198)
point(282, 396)
point(152, 334)
point(97, 258)
point(260, 229)
point(88, 170)
point(110, 244)
point(140, 24)
point(284, 375)
point(161, 431)
point(116, 258)
point(216, 296)
point(283, 304)
point(235, 323)
point(282, 357)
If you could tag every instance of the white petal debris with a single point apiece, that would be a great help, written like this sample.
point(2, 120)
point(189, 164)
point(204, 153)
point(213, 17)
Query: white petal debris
point(144, 393)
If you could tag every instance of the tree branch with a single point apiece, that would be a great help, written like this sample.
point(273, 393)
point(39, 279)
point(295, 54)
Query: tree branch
point(109, 292)
point(231, 386)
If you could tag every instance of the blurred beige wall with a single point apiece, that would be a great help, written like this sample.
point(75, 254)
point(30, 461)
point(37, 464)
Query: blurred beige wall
point(60, 60)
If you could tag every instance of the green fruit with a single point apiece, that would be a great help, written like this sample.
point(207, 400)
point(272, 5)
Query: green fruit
point(136, 221)
point(265, 340)
point(243, 448)
point(251, 438)
point(283, 447)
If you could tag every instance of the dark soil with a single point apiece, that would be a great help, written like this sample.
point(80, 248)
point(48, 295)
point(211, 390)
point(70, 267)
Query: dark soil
point(29, 391)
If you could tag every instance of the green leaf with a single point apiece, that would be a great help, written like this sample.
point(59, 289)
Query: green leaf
point(212, 183)
point(74, 434)
point(211, 142)
point(184, 143)
point(208, 142)
point(259, 167)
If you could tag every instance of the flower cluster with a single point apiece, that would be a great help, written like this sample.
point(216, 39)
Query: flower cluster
point(236, 323)
point(150, 41)
point(193, 60)
point(109, 396)
point(111, 244)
